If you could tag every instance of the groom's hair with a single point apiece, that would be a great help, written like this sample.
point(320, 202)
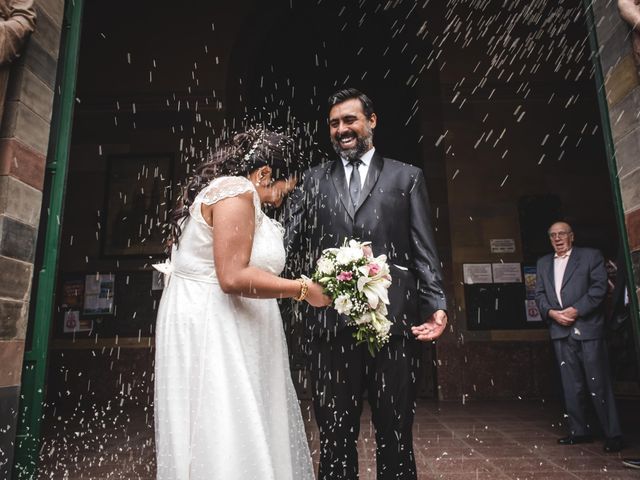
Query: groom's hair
point(349, 93)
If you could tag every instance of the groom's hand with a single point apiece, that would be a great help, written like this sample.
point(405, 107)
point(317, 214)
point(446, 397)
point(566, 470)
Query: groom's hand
point(432, 328)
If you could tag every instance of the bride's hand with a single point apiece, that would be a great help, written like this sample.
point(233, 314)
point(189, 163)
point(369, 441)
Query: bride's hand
point(316, 297)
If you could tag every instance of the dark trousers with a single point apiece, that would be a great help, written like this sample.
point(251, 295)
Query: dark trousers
point(584, 370)
point(340, 373)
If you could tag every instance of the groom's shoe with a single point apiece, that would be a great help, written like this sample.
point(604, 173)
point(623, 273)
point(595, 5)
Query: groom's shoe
point(575, 439)
point(613, 444)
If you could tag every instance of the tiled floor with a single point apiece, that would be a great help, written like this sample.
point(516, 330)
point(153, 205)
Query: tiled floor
point(504, 440)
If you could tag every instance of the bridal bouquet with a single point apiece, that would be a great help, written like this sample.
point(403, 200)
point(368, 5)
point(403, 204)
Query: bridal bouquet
point(358, 284)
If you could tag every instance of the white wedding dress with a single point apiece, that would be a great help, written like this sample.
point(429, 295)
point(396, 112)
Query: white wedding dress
point(225, 405)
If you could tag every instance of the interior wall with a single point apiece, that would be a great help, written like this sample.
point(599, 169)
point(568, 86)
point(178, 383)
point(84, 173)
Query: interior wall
point(139, 98)
point(488, 125)
point(520, 120)
point(136, 99)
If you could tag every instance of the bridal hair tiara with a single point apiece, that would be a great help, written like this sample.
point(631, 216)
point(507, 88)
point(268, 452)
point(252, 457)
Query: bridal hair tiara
point(253, 147)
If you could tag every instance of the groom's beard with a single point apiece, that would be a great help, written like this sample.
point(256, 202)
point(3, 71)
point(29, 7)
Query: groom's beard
point(363, 144)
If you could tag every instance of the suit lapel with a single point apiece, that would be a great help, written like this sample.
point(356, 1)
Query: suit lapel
point(572, 264)
point(375, 167)
point(339, 179)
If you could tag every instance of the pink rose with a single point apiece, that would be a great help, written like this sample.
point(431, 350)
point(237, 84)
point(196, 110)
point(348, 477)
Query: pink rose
point(345, 276)
point(373, 269)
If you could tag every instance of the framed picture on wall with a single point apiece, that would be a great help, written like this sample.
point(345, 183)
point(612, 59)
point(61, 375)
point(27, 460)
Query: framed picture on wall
point(138, 198)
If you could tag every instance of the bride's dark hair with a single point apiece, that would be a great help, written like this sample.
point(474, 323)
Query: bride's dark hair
point(239, 156)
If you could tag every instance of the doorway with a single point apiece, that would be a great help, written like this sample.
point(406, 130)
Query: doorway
point(492, 131)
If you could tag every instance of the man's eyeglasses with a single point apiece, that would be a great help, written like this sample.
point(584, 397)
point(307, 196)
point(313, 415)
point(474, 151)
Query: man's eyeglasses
point(558, 234)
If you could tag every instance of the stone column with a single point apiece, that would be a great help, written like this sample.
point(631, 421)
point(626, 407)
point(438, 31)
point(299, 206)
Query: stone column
point(24, 136)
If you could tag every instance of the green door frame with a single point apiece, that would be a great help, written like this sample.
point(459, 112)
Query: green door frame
point(35, 358)
point(613, 173)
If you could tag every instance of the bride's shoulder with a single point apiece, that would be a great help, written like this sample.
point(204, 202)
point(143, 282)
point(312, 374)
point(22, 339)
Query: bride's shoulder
point(224, 187)
point(229, 181)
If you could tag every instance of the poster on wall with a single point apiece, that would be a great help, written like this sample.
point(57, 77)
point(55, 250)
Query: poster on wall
point(533, 314)
point(73, 293)
point(477, 273)
point(502, 245)
point(530, 282)
point(98, 294)
point(73, 322)
point(506, 273)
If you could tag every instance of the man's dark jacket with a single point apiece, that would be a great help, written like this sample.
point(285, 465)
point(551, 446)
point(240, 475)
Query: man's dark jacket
point(584, 287)
point(393, 213)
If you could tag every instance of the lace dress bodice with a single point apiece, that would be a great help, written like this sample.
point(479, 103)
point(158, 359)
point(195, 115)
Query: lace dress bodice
point(193, 257)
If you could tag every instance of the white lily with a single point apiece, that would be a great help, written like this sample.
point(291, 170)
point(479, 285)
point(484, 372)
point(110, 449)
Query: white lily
point(382, 309)
point(380, 264)
point(343, 304)
point(382, 325)
point(376, 287)
point(377, 320)
point(365, 318)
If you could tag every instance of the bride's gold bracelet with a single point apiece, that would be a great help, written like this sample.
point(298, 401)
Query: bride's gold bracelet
point(304, 290)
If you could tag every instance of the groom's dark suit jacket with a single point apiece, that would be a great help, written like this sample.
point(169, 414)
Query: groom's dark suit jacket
point(393, 213)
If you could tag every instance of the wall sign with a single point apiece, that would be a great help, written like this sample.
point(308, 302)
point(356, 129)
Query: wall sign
point(506, 273)
point(73, 322)
point(98, 294)
point(477, 273)
point(502, 245)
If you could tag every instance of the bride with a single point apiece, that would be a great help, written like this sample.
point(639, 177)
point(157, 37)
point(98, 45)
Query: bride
point(225, 406)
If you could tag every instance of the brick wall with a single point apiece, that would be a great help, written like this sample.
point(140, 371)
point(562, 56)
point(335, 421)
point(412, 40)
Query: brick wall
point(24, 136)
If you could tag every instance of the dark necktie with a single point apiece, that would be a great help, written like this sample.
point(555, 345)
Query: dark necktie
point(354, 181)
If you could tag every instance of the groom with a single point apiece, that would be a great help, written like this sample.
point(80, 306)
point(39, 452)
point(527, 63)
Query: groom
point(363, 195)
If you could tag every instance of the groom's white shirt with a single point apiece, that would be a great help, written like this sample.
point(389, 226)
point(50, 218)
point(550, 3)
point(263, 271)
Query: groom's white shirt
point(364, 168)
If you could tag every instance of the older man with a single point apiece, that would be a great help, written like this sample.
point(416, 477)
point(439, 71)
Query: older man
point(570, 290)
